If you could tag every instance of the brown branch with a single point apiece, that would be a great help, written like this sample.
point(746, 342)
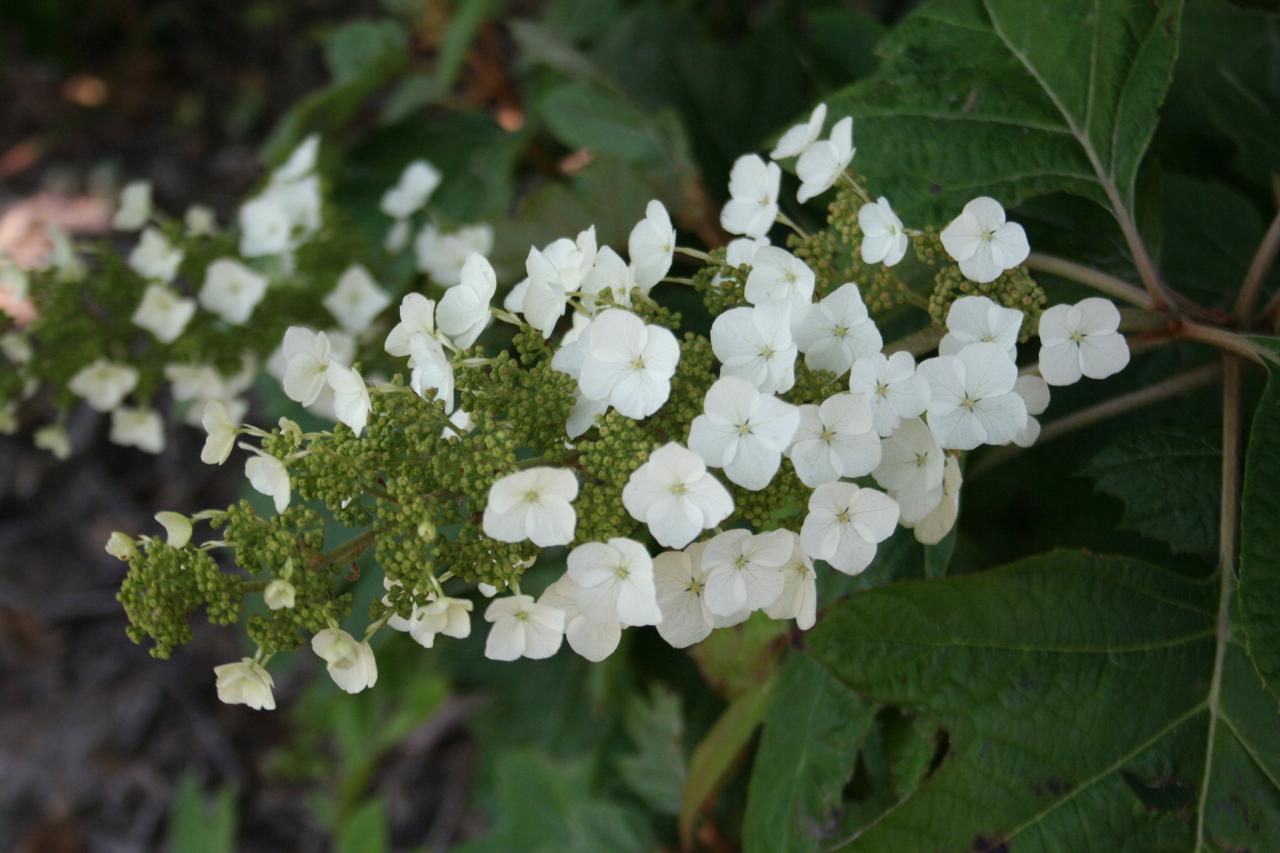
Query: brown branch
point(1090, 277)
point(1259, 268)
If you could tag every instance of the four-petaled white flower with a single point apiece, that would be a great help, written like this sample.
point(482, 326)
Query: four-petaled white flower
point(163, 313)
point(231, 290)
point(279, 595)
point(103, 384)
point(300, 163)
point(440, 615)
point(177, 528)
point(245, 682)
point(753, 197)
point(1034, 392)
point(264, 229)
point(675, 496)
point(798, 138)
point(682, 586)
point(417, 182)
point(971, 399)
point(911, 468)
point(135, 206)
point(268, 475)
point(351, 401)
point(799, 597)
point(931, 529)
point(611, 275)
point(351, 664)
point(823, 162)
point(628, 364)
point(837, 331)
point(893, 386)
point(140, 428)
point(884, 240)
point(431, 369)
point(569, 359)
point(535, 504)
point(523, 627)
point(221, 433)
point(592, 639)
point(553, 273)
point(417, 317)
point(744, 570)
point(356, 300)
point(845, 523)
point(54, 439)
point(441, 255)
point(755, 344)
point(1081, 339)
point(835, 440)
point(614, 582)
point(306, 354)
point(777, 276)
point(743, 431)
point(983, 243)
point(652, 245)
point(463, 312)
point(155, 258)
point(200, 221)
point(977, 319)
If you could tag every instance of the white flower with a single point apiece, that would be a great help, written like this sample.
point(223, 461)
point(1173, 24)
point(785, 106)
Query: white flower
point(893, 386)
point(799, 597)
point(823, 162)
point(245, 683)
point(911, 469)
point(463, 312)
point(351, 664)
point(13, 279)
point(594, 640)
point(675, 496)
point(140, 428)
point(431, 369)
point(8, 418)
point(441, 615)
point(121, 546)
point(103, 384)
point(356, 300)
point(797, 139)
point(268, 475)
point(460, 422)
point(398, 235)
point(553, 273)
point(54, 439)
point(163, 313)
point(155, 258)
point(221, 433)
point(931, 529)
point(231, 290)
point(523, 627)
point(836, 331)
point(301, 203)
point(1034, 392)
point(835, 440)
point(884, 240)
point(569, 359)
point(279, 595)
point(351, 401)
point(417, 317)
point(63, 257)
point(1081, 339)
point(845, 523)
point(779, 276)
point(135, 207)
point(16, 347)
point(743, 431)
point(983, 243)
point(628, 364)
point(612, 275)
point(755, 344)
point(753, 197)
point(742, 251)
point(264, 228)
point(441, 256)
point(744, 570)
point(971, 397)
point(300, 162)
point(200, 221)
point(652, 245)
point(976, 319)
point(177, 528)
point(682, 584)
point(535, 504)
point(306, 354)
point(417, 182)
point(614, 582)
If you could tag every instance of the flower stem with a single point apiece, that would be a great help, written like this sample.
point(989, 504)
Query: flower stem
point(1221, 338)
point(786, 220)
point(694, 253)
point(916, 343)
point(1259, 268)
point(1090, 277)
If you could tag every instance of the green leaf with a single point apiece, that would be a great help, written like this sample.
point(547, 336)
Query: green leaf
point(1260, 538)
point(1088, 703)
point(1015, 99)
point(364, 47)
point(584, 116)
point(1168, 479)
point(736, 660)
point(655, 771)
point(366, 830)
point(810, 739)
point(200, 823)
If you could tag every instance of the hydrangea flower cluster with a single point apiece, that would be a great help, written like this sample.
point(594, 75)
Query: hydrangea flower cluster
point(688, 472)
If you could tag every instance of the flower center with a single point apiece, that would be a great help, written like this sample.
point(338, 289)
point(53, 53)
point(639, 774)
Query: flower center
point(881, 389)
point(638, 363)
point(531, 496)
point(826, 435)
point(740, 563)
point(922, 459)
point(843, 516)
point(678, 488)
point(744, 428)
point(839, 331)
point(1077, 337)
point(969, 403)
point(766, 351)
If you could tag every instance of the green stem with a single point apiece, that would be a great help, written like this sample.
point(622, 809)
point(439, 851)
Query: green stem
point(1263, 260)
point(786, 220)
point(1090, 277)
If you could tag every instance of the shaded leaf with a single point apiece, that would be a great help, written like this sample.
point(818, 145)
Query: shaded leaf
point(655, 770)
point(1260, 538)
point(200, 822)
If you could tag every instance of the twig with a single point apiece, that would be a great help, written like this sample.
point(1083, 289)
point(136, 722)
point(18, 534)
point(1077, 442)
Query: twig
point(1090, 277)
point(1220, 338)
point(917, 343)
point(1259, 268)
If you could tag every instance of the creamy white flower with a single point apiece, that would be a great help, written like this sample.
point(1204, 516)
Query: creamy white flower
point(884, 239)
point(553, 273)
point(442, 255)
point(971, 397)
point(835, 332)
point(279, 595)
point(569, 359)
point(8, 418)
point(13, 279)
point(611, 275)
point(135, 206)
point(460, 422)
point(221, 433)
point(300, 162)
point(744, 570)
point(351, 664)
point(845, 523)
point(931, 529)
point(1081, 339)
point(397, 239)
point(797, 139)
point(306, 354)
point(977, 319)
point(140, 428)
point(417, 182)
point(356, 300)
point(1034, 392)
point(417, 317)
point(268, 476)
point(592, 639)
point(446, 616)
point(835, 440)
point(911, 469)
point(628, 364)
point(431, 369)
point(523, 627)
point(163, 313)
point(350, 396)
point(614, 582)
point(742, 251)
point(743, 431)
point(681, 584)
point(155, 258)
point(231, 290)
point(823, 162)
point(753, 197)
point(103, 384)
point(983, 243)
point(675, 496)
point(245, 683)
point(63, 257)
point(16, 347)
point(177, 528)
point(535, 504)
point(200, 221)
point(463, 312)
point(54, 439)
point(755, 344)
point(652, 245)
point(121, 546)
point(779, 276)
point(799, 597)
point(264, 228)
point(893, 386)
point(301, 203)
